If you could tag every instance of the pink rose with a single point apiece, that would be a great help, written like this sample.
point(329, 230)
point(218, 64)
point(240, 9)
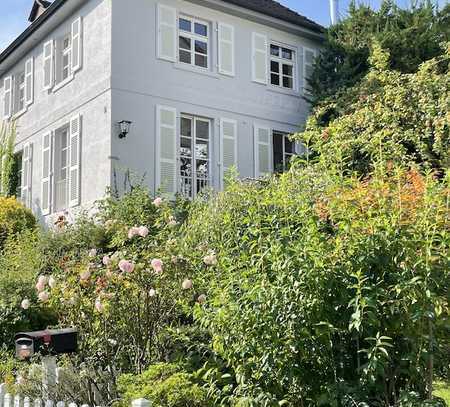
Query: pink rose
point(106, 260)
point(210, 259)
point(157, 266)
point(134, 231)
point(126, 266)
point(201, 299)
point(43, 296)
point(143, 231)
point(85, 275)
point(40, 287)
point(187, 284)
point(99, 306)
point(158, 202)
point(43, 280)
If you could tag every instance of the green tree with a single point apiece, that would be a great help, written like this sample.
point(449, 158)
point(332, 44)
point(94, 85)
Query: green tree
point(411, 36)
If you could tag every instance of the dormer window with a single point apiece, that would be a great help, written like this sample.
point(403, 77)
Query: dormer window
point(193, 42)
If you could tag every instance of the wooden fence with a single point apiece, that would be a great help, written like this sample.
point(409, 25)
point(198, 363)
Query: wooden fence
point(8, 400)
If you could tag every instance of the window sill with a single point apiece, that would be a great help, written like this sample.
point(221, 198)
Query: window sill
point(193, 69)
point(289, 92)
point(15, 116)
point(63, 83)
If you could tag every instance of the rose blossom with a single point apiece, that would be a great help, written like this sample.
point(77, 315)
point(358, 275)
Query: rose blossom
point(43, 280)
point(106, 260)
point(99, 306)
point(210, 259)
point(52, 282)
point(158, 202)
point(187, 284)
point(132, 232)
point(126, 266)
point(152, 292)
point(40, 287)
point(43, 296)
point(157, 265)
point(85, 275)
point(143, 231)
point(92, 253)
point(201, 299)
point(25, 304)
point(172, 221)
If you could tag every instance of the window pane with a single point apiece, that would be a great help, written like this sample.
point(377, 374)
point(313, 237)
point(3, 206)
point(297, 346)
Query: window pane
point(275, 79)
point(185, 56)
point(202, 129)
point(274, 50)
point(201, 149)
point(289, 146)
point(287, 70)
point(185, 43)
point(202, 169)
point(288, 82)
point(185, 149)
point(274, 66)
point(186, 167)
point(278, 152)
point(201, 47)
point(186, 128)
point(201, 29)
point(287, 53)
point(201, 60)
point(185, 25)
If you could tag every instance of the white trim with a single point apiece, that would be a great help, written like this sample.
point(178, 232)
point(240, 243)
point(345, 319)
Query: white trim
point(234, 123)
point(304, 79)
point(257, 128)
point(47, 179)
point(75, 166)
point(48, 56)
point(7, 90)
point(77, 45)
point(29, 74)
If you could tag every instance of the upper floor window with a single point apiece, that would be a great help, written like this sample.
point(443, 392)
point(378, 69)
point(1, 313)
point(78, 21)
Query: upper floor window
point(193, 42)
point(66, 56)
point(282, 66)
point(18, 90)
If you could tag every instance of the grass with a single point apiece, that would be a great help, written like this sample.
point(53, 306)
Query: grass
point(442, 390)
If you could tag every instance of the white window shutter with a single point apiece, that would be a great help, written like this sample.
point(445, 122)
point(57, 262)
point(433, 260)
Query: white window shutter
point(308, 65)
point(263, 151)
point(48, 65)
point(29, 81)
point(229, 141)
point(226, 49)
point(167, 33)
point(74, 161)
point(166, 150)
point(46, 174)
point(7, 97)
point(259, 58)
point(27, 174)
point(77, 44)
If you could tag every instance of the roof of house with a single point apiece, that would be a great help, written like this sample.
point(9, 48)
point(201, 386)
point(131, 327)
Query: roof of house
point(37, 5)
point(274, 9)
point(268, 7)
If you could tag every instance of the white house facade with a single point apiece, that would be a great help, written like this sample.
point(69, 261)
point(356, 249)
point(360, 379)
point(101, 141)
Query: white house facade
point(206, 84)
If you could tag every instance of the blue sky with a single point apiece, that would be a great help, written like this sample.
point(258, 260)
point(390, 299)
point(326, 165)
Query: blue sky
point(14, 13)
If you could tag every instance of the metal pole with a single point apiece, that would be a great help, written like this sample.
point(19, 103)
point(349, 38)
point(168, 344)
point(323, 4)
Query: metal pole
point(334, 11)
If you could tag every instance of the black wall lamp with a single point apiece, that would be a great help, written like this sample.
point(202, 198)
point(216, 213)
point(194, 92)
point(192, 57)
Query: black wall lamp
point(125, 126)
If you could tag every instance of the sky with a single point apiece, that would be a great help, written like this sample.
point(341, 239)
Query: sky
point(14, 13)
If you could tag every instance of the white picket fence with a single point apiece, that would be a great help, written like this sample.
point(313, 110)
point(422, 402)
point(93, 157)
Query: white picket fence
point(8, 400)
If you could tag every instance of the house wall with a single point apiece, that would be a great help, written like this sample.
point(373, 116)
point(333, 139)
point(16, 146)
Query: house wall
point(141, 81)
point(87, 94)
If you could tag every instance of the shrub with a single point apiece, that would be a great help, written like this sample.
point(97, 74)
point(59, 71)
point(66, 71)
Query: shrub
point(165, 385)
point(325, 289)
point(14, 218)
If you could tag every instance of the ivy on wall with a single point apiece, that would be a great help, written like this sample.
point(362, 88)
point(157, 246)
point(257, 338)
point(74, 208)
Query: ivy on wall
point(9, 165)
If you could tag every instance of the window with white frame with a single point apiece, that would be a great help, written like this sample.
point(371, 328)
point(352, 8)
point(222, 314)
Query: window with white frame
point(19, 102)
point(282, 66)
point(194, 155)
point(66, 57)
point(193, 44)
point(283, 151)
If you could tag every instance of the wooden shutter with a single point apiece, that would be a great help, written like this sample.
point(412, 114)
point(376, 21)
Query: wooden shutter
point(263, 151)
point(29, 81)
point(77, 44)
point(308, 63)
point(166, 150)
point(74, 161)
point(167, 33)
point(259, 58)
point(228, 140)
point(48, 65)
point(7, 97)
point(27, 174)
point(46, 191)
point(226, 49)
